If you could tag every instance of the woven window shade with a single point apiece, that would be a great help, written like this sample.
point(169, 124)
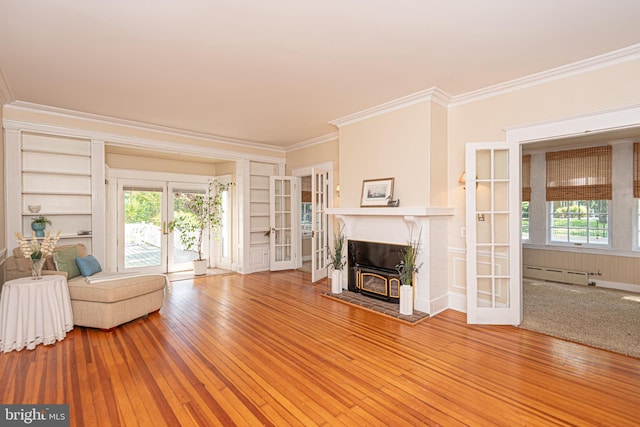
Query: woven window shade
point(636, 169)
point(582, 174)
point(526, 178)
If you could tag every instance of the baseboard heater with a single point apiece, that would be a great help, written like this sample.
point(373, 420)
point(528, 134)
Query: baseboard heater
point(556, 275)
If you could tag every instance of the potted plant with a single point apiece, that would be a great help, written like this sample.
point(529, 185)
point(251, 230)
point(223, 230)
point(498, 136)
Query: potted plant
point(406, 270)
point(198, 214)
point(38, 224)
point(337, 263)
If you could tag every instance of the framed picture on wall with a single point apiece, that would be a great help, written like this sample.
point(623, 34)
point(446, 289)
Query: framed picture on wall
point(376, 192)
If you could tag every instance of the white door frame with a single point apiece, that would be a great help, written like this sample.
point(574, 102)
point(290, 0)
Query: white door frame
point(290, 259)
point(112, 201)
point(308, 171)
point(496, 221)
point(319, 237)
point(599, 122)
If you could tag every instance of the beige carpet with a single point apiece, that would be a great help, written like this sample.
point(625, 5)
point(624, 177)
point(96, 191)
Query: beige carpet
point(598, 317)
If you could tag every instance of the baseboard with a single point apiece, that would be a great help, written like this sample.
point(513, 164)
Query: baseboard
point(628, 287)
point(439, 305)
point(458, 302)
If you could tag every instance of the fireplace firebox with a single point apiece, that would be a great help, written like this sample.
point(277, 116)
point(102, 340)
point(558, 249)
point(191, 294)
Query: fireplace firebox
point(372, 269)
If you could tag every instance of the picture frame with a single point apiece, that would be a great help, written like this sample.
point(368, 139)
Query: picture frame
point(376, 192)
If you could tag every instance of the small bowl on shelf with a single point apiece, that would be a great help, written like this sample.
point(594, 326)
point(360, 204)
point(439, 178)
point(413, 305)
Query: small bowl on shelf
point(34, 208)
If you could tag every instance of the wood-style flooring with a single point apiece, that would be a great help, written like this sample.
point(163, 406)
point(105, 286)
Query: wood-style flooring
point(269, 349)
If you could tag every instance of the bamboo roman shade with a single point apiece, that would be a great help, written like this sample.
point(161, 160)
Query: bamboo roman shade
point(636, 169)
point(582, 174)
point(526, 178)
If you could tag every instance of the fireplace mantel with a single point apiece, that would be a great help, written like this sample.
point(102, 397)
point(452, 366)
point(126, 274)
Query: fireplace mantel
point(402, 225)
point(411, 215)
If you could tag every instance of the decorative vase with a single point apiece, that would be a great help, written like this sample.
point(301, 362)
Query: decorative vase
point(36, 268)
point(38, 227)
point(336, 281)
point(406, 300)
point(200, 267)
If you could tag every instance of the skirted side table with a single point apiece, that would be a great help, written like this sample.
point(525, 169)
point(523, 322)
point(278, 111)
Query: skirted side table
point(34, 312)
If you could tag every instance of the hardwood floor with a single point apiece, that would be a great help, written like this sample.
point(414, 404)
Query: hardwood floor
point(268, 349)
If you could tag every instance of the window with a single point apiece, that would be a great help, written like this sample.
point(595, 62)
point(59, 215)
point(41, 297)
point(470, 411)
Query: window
point(305, 217)
point(578, 191)
point(524, 221)
point(637, 224)
point(579, 222)
point(526, 196)
point(636, 188)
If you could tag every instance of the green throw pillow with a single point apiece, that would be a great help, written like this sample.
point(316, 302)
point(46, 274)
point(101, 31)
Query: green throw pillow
point(65, 260)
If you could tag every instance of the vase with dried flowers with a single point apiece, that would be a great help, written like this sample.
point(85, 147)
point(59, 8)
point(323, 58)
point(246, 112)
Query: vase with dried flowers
point(37, 251)
point(406, 270)
point(337, 262)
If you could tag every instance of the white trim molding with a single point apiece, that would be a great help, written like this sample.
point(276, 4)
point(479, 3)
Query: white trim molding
point(432, 94)
point(118, 140)
point(626, 117)
point(61, 112)
point(313, 141)
point(608, 59)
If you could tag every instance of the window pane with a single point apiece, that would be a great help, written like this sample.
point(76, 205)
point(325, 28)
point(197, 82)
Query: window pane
point(525, 221)
point(580, 221)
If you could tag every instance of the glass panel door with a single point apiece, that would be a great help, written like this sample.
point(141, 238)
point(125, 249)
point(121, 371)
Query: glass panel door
point(319, 231)
point(281, 243)
point(493, 234)
point(180, 253)
point(143, 243)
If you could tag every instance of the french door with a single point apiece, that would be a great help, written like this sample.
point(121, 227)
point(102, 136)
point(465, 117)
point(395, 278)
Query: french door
point(144, 242)
point(493, 233)
point(282, 202)
point(319, 225)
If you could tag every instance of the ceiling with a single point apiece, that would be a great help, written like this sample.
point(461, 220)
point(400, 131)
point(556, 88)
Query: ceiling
point(277, 72)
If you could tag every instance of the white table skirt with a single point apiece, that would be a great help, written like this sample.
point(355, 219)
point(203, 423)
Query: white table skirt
point(34, 312)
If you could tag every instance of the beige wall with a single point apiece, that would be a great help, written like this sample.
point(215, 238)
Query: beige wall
point(613, 268)
point(316, 154)
point(391, 145)
point(122, 161)
point(313, 155)
point(485, 120)
point(438, 158)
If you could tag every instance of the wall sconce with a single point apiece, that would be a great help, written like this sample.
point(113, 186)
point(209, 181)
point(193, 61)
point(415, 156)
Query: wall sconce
point(338, 190)
point(463, 179)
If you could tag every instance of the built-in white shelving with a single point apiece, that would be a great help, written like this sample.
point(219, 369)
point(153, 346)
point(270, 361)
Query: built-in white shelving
point(259, 226)
point(56, 177)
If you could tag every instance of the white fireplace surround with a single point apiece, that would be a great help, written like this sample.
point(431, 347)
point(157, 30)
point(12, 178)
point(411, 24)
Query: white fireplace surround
point(399, 226)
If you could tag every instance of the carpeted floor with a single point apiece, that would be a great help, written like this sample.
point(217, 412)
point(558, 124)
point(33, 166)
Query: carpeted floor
point(604, 318)
point(379, 306)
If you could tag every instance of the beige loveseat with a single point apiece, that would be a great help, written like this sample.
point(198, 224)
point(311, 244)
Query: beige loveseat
point(102, 304)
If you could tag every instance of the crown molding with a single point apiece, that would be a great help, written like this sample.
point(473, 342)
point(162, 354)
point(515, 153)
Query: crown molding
point(313, 141)
point(139, 126)
point(5, 92)
point(432, 94)
point(437, 95)
point(608, 59)
point(119, 140)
